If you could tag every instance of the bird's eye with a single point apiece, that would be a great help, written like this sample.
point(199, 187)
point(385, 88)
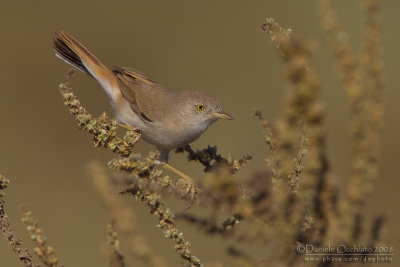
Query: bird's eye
point(200, 107)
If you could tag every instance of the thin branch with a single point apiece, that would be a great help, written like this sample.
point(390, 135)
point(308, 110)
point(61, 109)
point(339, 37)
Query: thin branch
point(45, 252)
point(8, 232)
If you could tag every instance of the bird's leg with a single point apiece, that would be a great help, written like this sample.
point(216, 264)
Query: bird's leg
point(164, 155)
point(177, 172)
point(187, 185)
point(126, 126)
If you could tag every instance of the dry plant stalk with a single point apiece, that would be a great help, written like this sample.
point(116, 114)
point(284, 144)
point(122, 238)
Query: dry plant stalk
point(123, 219)
point(115, 257)
point(45, 252)
point(165, 221)
point(299, 179)
point(269, 136)
point(8, 233)
point(211, 160)
point(103, 129)
point(365, 106)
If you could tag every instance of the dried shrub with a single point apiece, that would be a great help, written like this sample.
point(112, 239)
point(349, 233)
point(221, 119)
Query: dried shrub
point(293, 202)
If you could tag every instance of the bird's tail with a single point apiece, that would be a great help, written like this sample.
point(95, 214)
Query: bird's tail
point(71, 51)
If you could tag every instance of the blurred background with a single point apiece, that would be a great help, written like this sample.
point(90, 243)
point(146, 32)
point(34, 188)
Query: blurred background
point(215, 46)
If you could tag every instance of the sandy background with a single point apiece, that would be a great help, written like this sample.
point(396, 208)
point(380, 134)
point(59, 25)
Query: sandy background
point(199, 45)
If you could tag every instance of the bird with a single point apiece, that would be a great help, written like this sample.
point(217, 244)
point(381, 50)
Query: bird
point(167, 119)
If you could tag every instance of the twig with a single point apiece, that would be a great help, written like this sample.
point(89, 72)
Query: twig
point(45, 252)
point(166, 221)
point(123, 217)
point(8, 232)
point(115, 257)
point(211, 160)
point(208, 225)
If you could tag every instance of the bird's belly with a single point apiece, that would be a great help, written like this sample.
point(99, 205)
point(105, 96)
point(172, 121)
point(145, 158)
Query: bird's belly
point(155, 134)
point(170, 138)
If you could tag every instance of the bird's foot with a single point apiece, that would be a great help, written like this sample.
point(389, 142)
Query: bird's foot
point(185, 184)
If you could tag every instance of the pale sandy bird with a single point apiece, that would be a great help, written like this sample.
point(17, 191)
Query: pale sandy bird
point(167, 119)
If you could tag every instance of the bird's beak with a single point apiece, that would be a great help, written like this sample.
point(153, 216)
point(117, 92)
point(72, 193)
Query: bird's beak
point(221, 115)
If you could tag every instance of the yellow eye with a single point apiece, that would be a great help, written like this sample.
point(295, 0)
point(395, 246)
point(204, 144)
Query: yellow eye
point(200, 107)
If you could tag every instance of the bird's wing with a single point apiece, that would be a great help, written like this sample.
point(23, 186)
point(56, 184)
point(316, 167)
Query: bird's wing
point(134, 74)
point(144, 94)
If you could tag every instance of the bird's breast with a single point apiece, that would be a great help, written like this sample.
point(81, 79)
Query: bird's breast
point(172, 136)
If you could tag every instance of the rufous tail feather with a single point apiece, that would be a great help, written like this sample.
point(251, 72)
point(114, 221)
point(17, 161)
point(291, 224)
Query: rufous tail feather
point(72, 52)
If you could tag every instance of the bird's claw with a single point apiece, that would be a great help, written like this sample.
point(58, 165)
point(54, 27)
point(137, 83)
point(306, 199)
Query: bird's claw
point(188, 189)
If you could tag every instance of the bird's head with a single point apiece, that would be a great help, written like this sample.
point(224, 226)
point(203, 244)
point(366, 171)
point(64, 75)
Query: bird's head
point(202, 109)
